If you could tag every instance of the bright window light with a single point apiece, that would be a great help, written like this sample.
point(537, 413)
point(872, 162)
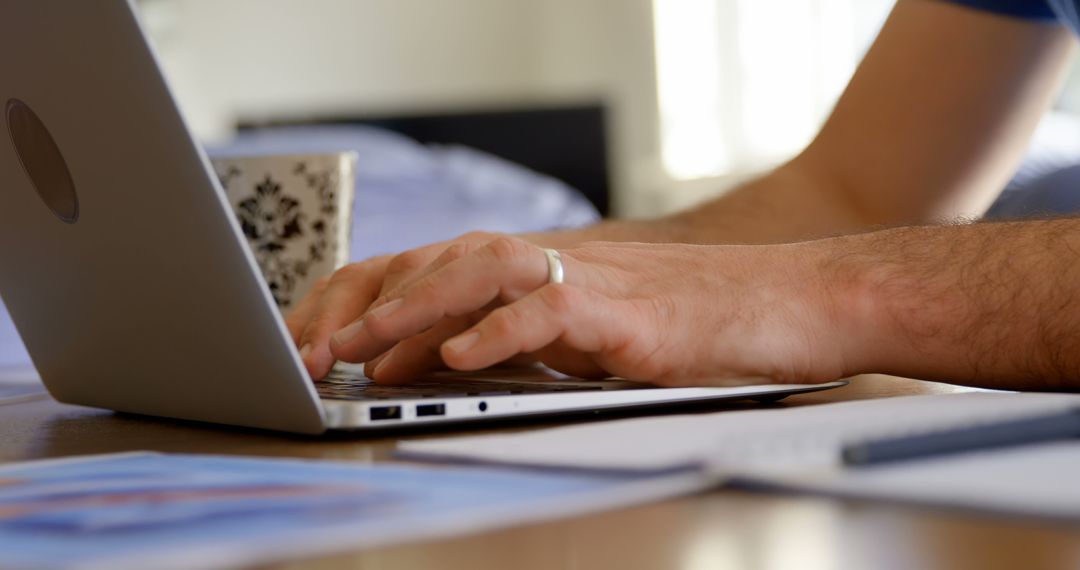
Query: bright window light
point(743, 83)
point(688, 50)
point(778, 69)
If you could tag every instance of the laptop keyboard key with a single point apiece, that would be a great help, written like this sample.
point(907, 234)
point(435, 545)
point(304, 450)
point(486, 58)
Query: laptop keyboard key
point(339, 386)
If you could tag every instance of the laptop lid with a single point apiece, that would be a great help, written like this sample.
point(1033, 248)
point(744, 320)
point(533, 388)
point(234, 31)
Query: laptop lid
point(120, 262)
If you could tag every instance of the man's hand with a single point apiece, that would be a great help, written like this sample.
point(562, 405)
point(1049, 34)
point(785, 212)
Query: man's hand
point(669, 314)
point(341, 298)
point(987, 305)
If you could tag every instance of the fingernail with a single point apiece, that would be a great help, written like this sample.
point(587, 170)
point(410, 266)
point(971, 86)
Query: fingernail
point(385, 310)
point(349, 333)
point(375, 362)
point(387, 358)
point(462, 343)
point(305, 351)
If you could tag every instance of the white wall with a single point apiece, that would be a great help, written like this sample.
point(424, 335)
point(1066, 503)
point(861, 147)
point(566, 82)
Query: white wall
point(265, 57)
point(257, 59)
point(603, 49)
point(252, 59)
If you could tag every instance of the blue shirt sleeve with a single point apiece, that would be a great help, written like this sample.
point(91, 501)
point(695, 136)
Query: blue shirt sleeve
point(1027, 9)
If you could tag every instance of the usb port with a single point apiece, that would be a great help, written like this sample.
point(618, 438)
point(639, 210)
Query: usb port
point(423, 410)
point(385, 413)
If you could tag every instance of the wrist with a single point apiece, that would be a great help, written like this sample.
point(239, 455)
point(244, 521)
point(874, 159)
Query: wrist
point(898, 306)
point(860, 291)
point(796, 307)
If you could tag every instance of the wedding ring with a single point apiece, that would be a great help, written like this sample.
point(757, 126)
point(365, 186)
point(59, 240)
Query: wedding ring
point(555, 267)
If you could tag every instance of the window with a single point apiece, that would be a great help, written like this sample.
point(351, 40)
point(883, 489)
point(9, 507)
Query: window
point(744, 83)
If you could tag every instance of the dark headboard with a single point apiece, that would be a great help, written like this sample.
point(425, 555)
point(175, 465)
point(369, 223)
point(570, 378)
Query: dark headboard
point(569, 143)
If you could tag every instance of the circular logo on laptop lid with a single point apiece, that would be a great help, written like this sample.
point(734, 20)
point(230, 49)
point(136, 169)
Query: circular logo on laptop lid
point(42, 161)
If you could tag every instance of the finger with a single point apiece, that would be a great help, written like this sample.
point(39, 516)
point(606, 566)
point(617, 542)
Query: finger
point(398, 267)
point(418, 354)
point(451, 253)
point(436, 338)
point(505, 269)
point(348, 294)
point(408, 263)
point(402, 271)
point(371, 365)
point(583, 320)
point(297, 318)
point(405, 266)
point(520, 361)
point(563, 359)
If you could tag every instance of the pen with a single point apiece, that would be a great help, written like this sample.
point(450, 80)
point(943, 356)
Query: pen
point(1037, 429)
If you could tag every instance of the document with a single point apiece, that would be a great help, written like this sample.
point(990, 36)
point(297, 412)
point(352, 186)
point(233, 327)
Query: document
point(158, 511)
point(800, 448)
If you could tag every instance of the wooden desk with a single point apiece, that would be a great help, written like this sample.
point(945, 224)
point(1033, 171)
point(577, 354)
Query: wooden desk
point(720, 529)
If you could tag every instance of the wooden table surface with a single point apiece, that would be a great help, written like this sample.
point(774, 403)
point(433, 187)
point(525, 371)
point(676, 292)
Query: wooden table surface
point(719, 529)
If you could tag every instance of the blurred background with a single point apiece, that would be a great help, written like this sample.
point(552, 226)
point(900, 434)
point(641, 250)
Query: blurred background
point(524, 115)
point(695, 94)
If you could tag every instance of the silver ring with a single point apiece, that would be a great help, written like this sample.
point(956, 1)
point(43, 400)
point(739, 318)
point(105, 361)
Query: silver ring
point(555, 267)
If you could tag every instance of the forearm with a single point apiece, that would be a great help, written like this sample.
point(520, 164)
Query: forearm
point(795, 202)
point(994, 305)
point(931, 127)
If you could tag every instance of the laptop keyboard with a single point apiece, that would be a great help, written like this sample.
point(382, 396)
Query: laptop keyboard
point(339, 386)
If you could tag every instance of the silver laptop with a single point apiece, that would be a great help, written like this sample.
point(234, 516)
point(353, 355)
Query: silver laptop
point(131, 285)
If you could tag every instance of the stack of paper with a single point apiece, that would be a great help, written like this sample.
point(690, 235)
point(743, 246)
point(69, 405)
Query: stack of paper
point(801, 448)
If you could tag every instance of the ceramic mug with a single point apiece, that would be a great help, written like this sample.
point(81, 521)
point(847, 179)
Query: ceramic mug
point(296, 213)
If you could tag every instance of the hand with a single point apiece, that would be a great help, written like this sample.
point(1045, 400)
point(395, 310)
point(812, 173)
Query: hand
point(670, 314)
point(341, 298)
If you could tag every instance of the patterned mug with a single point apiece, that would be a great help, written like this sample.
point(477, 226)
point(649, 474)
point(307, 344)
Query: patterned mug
point(296, 213)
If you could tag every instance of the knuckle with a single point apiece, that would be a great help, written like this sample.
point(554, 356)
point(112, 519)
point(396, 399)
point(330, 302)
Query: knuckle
point(295, 323)
point(319, 326)
point(407, 262)
point(506, 249)
point(502, 321)
point(478, 236)
point(456, 251)
point(379, 329)
point(348, 273)
point(427, 290)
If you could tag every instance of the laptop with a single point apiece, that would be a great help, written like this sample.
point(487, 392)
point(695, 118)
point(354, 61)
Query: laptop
point(132, 286)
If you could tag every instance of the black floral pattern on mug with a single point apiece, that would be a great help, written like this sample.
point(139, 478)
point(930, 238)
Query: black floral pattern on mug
point(275, 223)
point(269, 217)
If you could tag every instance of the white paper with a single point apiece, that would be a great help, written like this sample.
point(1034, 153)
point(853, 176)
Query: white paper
point(1038, 480)
point(771, 440)
point(800, 448)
